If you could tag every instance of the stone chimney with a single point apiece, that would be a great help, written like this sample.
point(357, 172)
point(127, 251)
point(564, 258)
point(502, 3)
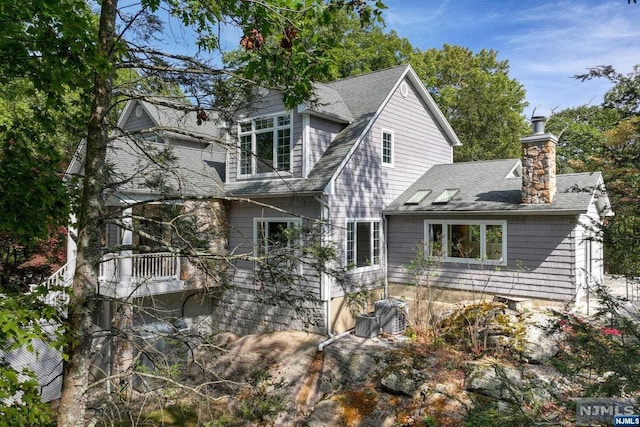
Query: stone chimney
point(538, 164)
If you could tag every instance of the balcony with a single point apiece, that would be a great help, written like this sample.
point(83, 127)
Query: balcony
point(137, 275)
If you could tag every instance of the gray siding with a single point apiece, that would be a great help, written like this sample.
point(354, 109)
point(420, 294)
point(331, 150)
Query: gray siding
point(245, 311)
point(241, 232)
point(541, 252)
point(321, 133)
point(134, 123)
point(419, 143)
point(245, 307)
point(365, 187)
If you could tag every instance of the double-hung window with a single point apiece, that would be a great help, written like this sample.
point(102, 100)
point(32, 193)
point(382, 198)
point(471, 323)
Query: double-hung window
point(363, 243)
point(265, 145)
point(387, 148)
point(467, 241)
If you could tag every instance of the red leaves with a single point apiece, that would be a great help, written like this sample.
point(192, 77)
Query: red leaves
point(201, 116)
point(286, 42)
point(253, 40)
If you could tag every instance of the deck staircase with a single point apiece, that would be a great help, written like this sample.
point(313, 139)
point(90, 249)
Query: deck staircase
point(57, 286)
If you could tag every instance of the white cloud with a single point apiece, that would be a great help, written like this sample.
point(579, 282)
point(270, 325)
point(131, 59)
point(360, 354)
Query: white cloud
point(545, 42)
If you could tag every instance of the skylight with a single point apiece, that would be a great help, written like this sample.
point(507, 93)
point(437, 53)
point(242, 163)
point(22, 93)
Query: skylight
point(446, 196)
point(419, 196)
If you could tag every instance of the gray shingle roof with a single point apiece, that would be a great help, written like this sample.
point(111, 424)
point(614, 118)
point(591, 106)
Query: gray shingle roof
point(490, 187)
point(193, 171)
point(169, 113)
point(188, 171)
point(354, 100)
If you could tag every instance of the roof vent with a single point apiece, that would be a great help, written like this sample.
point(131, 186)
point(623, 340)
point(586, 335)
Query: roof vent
point(537, 124)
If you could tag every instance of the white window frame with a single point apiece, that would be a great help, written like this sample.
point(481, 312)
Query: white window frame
point(251, 134)
point(375, 243)
point(291, 223)
point(482, 259)
point(383, 148)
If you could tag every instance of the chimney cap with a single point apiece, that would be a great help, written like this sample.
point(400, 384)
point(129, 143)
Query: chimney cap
point(537, 124)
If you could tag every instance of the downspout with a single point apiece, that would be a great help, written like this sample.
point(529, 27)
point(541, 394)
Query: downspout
point(385, 225)
point(326, 283)
point(332, 338)
point(324, 279)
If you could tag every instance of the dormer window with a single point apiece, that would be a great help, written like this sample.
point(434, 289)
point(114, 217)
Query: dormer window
point(265, 145)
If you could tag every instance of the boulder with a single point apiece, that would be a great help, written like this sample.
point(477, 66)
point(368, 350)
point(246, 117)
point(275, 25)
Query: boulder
point(325, 413)
point(494, 379)
point(540, 344)
point(403, 380)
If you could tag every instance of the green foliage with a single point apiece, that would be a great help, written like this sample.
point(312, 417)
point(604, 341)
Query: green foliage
point(33, 195)
point(475, 93)
point(429, 421)
point(358, 48)
point(280, 47)
point(423, 269)
point(624, 96)
point(489, 413)
point(601, 354)
point(604, 139)
point(36, 142)
point(581, 135)
point(473, 326)
point(49, 43)
point(259, 400)
point(18, 329)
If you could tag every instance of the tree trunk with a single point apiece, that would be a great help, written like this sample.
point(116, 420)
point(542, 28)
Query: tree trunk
point(79, 324)
point(122, 349)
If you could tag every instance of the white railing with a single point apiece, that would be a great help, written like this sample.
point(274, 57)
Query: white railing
point(160, 266)
point(144, 268)
point(57, 285)
point(156, 266)
point(109, 267)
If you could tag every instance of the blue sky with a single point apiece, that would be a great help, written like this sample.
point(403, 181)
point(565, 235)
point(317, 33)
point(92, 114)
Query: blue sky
point(546, 42)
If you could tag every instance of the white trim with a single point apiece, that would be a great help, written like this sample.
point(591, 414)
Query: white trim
point(404, 89)
point(384, 131)
point(306, 134)
point(371, 221)
point(253, 156)
point(126, 112)
point(483, 233)
point(287, 219)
